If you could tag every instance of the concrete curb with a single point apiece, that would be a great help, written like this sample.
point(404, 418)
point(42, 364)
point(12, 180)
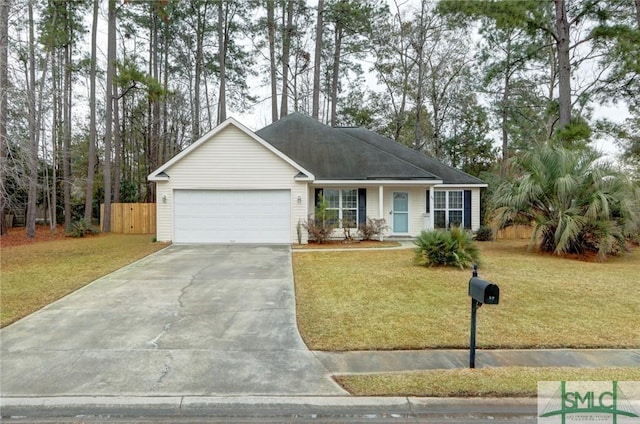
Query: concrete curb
point(260, 406)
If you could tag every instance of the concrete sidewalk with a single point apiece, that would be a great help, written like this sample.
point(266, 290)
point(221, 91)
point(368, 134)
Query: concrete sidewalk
point(412, 360)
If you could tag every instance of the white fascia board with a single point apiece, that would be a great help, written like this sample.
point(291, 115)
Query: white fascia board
point(362, 183)
point(229, 121)
point(467, 186)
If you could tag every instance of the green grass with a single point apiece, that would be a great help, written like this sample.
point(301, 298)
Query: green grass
point(483, 382)
point(382, 300)
point(36, 275)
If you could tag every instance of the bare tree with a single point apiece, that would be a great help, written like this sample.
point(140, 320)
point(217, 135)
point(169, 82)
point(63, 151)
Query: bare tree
point(66, 131)
point(4, 85)
point(33, 130)
point(111, 70)
point(88, 202)
point(271, 30)
point(316, 61)
point(222, 59)
point(562, 38)
point(286, 49)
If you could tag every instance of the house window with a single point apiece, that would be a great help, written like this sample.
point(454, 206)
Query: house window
point(448, 208)
point(343, 206)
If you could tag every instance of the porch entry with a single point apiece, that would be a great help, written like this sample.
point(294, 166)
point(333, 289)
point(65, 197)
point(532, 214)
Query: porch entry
point(400, 212)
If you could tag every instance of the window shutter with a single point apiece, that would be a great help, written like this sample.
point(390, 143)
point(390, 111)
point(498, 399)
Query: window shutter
point(467, 209)
point(318, 193)
point(362, 206)
point(428, 206)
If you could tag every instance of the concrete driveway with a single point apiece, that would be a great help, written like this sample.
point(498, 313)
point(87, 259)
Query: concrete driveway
point(188, 320)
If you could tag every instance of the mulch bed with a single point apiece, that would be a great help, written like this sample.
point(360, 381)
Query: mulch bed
point(332, 244)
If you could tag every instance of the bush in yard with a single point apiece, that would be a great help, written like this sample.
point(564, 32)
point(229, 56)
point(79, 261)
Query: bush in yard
point(318, 230)
point(452, 247)
point(321, 224)
point(577, 203)
point(372, 228)
point(484, 233)
point(82, 228)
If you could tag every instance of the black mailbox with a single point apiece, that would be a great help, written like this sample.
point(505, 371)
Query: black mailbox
point(483, 291)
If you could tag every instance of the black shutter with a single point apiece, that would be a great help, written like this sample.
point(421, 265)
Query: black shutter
point(428, 206)
point(362, 206)
point(318, 193)
point(467, 209)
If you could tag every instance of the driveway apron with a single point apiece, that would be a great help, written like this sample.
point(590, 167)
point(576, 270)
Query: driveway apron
point(188, 320)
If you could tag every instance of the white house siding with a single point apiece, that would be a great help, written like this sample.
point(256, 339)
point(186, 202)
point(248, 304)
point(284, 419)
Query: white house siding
point(373, 204)
point(475, 209)
point(231, 160)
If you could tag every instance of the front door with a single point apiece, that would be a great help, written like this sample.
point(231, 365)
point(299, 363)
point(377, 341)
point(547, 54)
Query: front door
point(400, 212)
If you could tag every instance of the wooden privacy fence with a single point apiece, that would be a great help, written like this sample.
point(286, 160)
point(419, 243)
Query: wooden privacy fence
point(131, 218)
point(515, 232)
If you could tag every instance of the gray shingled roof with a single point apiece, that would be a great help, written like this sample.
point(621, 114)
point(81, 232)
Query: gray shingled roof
point(448, 174)
point(353, 153)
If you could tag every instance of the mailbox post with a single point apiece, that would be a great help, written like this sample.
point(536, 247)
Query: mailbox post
point(481, 291)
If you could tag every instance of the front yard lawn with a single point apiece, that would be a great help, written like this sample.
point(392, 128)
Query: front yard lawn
point(483, 382)
point(36, 274)
point(381, 300)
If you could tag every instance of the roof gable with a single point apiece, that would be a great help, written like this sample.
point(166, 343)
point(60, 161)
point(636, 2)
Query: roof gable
point(160, 174)
point(332, 154)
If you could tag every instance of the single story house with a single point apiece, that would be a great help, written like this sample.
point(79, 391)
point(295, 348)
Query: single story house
point(234, 185)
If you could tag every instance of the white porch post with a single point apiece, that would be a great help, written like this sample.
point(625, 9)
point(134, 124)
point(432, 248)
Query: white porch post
point(431, 211)
point(380, 202)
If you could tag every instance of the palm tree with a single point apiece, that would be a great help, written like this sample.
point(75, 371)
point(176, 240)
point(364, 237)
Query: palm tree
point(576, 202)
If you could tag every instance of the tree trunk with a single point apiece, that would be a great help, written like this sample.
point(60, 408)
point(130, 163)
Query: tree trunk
point(165, 85)
point(553, 68)
point(638, 12)
point(111, 70)
point(564, 63)
point(66, 147)
point(222, 54)
point(117, 143)
point(271, 31)
point(335, 77)
point(197, 78)
point(55, 120)
point(286, 49)
point(91, 168)
point(155, 124)
point(418, 144)
point(505, 112)
point(316, 61)
point(505, 131)
point(4, 85)
point(33, 144)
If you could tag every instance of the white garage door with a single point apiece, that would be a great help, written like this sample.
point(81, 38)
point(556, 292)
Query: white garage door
point(248, 216)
